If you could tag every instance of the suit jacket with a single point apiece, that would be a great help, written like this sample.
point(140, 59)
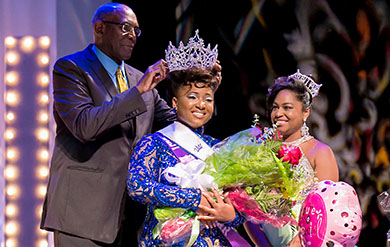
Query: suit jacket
point(97, 128)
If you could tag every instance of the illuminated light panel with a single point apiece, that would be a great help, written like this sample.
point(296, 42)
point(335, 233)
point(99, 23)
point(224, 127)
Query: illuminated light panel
point(43, 59)
point(9, 134)
point(12, 98)
point(12, 58)
point(10, 117)
point(44, 42)
point(11, 228)
point(42, 243)
point(42, 134)
point(11, 242)
point(42, 172)
point(11, 172)
point(38, 211)
point(40, 191)
point(43, 79)
point(11, 210)
point(43, 117)
point(27, 44)
point(12, 191)
point(43, 98)
point(40, 231)
point(43, 154)
point(12, 154)
point(12, 78)
point(10, 42)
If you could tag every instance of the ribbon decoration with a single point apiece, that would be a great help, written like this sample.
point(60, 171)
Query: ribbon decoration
point(190, 175)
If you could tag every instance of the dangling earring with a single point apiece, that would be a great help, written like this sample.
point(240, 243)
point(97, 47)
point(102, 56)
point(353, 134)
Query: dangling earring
point(304, 129)
point(174, 110)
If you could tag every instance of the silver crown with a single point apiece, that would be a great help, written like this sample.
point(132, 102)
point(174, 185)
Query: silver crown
point(195, 54)
point(309, 83)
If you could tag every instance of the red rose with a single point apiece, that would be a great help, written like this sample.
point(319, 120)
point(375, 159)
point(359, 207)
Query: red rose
point(176, 229)
point(290, 154)
point(282, 151)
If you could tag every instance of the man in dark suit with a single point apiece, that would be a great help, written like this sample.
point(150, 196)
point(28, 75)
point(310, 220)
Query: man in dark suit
point(102, 107)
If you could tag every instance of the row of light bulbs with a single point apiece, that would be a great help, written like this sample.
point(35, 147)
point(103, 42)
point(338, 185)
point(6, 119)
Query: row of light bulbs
point(16, 49)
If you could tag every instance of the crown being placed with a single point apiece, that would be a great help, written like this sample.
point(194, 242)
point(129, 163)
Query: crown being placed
point(195, 54)
point(309, 83)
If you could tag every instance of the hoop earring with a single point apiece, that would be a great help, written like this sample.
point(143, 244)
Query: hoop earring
point(304, 129)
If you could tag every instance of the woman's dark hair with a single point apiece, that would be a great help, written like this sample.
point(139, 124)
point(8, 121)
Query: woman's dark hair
point(201, 77)
point(297, 87)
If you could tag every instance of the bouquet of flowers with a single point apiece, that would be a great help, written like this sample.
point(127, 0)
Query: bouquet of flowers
point(262, 176)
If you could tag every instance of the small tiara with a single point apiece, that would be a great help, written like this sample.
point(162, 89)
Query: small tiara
point(195, 54)
point(309, 83)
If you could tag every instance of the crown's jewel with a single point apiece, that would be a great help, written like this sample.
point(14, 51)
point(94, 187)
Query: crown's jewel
point(195, 54)
point(309, 83)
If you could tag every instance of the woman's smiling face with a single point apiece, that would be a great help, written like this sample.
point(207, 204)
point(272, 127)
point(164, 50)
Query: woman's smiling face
point(194, 104)
point(287, 112)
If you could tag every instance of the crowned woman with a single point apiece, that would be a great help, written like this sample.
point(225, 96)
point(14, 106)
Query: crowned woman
point(194, 76)
point(289, 102)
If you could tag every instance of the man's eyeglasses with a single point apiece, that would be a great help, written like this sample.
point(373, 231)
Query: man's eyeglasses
point(126, 27)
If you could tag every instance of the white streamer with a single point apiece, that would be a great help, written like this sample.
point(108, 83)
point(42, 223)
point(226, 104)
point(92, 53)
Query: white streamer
point(190, 175)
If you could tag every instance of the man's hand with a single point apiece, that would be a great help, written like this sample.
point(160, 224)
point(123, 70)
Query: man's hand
point(153, 75)
point(217, 66)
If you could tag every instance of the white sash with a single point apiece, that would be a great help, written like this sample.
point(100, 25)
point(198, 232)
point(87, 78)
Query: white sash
point(187, 139)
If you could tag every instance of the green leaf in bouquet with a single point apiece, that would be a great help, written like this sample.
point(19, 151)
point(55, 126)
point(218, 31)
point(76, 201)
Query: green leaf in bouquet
point(157, 230)
point(250, 163)
point(187, 215)
point(166, 213)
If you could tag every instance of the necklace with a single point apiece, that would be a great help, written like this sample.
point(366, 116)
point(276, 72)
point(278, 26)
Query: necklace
point(299, 141)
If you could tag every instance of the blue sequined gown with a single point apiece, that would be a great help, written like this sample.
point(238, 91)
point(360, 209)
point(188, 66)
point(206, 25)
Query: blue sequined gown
point(146, 184)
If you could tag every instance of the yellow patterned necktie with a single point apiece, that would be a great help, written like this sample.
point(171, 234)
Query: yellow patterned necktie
point(122, 84)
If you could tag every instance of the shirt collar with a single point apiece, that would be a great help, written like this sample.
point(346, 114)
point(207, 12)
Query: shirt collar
point(110, 65)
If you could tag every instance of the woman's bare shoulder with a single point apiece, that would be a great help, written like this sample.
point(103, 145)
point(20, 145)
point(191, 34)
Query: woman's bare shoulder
point(321, 148)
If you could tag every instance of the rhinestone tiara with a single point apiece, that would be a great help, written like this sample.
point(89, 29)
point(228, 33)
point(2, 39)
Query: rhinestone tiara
point(195, 54)
point(309, 83)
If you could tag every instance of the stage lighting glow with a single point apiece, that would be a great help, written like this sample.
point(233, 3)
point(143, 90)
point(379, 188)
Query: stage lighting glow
point(44, 42)
point(43, 79)
point(10, 42)
point(11, 242)
point(42, 243)
point(12, 154)
point(43, 59)
point(12, 78)
point(12, 58)
point(10, 117)
point(43, 117)
point(38, 211)
point(12, 98)
point(43, 154)
point(44, 98)
point(42, 172)
point(40, 231)
point(11, 210)
point(40, 191)
point(42, 134)
point(11, 172)
point(27, 44)
point(11, 228)
point(12, 191)
point(9, 134)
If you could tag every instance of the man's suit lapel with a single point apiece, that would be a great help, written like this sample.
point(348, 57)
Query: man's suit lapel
point(100, 72)
point(132, 80)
